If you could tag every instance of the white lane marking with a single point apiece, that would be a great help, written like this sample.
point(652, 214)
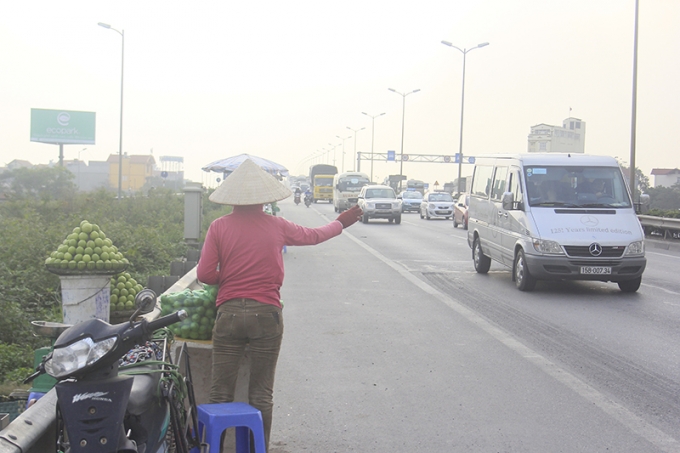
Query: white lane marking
point(668, 291)
point(667, 255)
point(637, 425)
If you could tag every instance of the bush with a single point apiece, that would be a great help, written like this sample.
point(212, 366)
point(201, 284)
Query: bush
point(35, 219)
point(16, 377)
point(14, 357)
point(668, 213)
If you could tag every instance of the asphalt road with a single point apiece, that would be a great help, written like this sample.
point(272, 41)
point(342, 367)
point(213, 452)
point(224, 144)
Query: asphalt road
point(393, 343)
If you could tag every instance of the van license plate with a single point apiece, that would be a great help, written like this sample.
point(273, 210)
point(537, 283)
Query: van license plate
point(595, 270)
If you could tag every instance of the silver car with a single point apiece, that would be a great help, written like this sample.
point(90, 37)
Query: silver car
point(379, 202)
point(436, 204)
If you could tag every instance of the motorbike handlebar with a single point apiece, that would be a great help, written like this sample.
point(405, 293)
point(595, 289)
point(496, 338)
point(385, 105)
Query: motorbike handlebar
point(167, 320)
point(33, 376)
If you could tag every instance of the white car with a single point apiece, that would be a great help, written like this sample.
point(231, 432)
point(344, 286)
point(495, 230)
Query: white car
point(437, 205)
point(379, 202)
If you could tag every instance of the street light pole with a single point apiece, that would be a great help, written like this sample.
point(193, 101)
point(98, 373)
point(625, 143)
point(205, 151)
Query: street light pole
point(343, 151)
point(325, 152)
point(373, 117)
point(462, 107)
point(633, 121)
point(403, 116)
point(79, 188)
point(120, 138)
point(355, 147)
point(334, 146)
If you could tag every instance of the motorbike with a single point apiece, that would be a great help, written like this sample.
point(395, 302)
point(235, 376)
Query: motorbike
point(308, 199)
point(117, 390)
point(297, 199)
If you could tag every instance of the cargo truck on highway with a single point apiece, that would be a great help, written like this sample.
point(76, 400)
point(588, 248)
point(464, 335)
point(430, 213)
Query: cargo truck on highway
point(321, 179)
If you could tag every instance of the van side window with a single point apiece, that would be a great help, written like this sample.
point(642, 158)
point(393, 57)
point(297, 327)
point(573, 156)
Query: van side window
point(499, 183)
point(515, 186)
point(481, 182)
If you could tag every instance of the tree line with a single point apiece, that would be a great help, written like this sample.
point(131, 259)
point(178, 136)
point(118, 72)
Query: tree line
point(39, 207)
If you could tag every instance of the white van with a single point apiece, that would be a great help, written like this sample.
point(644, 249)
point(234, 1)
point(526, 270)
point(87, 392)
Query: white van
point(555, 217)
point(346, 188)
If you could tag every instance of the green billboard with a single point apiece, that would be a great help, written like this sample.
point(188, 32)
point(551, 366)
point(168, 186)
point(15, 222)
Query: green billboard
point(62, 126)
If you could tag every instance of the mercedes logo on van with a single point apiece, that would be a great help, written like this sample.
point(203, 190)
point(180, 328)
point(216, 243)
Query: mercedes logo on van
point(589, 220)
point(595, 249)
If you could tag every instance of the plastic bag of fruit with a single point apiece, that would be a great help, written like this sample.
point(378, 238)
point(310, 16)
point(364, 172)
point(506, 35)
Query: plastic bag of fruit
point(200, 307)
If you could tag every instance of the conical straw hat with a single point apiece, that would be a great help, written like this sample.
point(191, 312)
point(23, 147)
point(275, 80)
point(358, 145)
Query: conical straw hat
point(249, 184)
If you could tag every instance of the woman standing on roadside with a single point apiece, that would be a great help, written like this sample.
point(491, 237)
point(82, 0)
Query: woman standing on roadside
point(242, 254)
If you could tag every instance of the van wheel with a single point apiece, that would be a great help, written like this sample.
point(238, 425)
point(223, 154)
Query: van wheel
point(481, 261)
point(630, 286)
point(397, 219)
point(523, 278)
point(364, 218)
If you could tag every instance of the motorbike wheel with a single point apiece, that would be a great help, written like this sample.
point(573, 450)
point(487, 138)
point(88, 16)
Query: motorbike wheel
point(175, 437)
point(62, 443)
point(183, 430)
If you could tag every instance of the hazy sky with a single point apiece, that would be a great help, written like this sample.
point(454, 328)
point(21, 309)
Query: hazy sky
point(282, 79)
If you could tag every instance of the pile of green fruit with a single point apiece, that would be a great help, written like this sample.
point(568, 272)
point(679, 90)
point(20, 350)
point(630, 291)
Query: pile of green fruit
point(199, 305)
point(124, 288)
point(86, 250)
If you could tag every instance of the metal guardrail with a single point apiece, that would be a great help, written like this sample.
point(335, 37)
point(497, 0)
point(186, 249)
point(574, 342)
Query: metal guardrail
point(660, 227)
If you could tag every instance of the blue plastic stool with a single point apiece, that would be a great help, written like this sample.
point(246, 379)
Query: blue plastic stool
point(215, 418)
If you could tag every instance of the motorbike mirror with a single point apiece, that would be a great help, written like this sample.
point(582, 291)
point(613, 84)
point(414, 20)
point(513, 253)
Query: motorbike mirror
point(145, 300)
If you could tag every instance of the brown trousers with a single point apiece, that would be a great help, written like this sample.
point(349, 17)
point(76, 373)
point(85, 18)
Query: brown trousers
point(242, 322)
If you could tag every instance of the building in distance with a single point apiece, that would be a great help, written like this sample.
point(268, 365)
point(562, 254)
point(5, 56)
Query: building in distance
point(568, 138)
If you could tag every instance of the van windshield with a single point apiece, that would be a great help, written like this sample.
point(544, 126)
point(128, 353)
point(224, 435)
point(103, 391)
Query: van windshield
point(352, 184)
point(578, 187)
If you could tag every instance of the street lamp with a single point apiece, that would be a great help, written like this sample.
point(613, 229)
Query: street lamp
point(334, 146)
point(343, 151)
point(79, 188)
point(403, 115)
point(324, 152)
point(373, 117)
point(355, 147)
point(462, 106)
point(120, 139)
point(633, 120)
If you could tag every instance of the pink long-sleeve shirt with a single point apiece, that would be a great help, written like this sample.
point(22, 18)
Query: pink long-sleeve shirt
point(242, 253)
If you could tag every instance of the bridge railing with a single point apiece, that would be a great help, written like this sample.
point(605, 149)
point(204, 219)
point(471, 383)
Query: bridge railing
point(660, 227)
